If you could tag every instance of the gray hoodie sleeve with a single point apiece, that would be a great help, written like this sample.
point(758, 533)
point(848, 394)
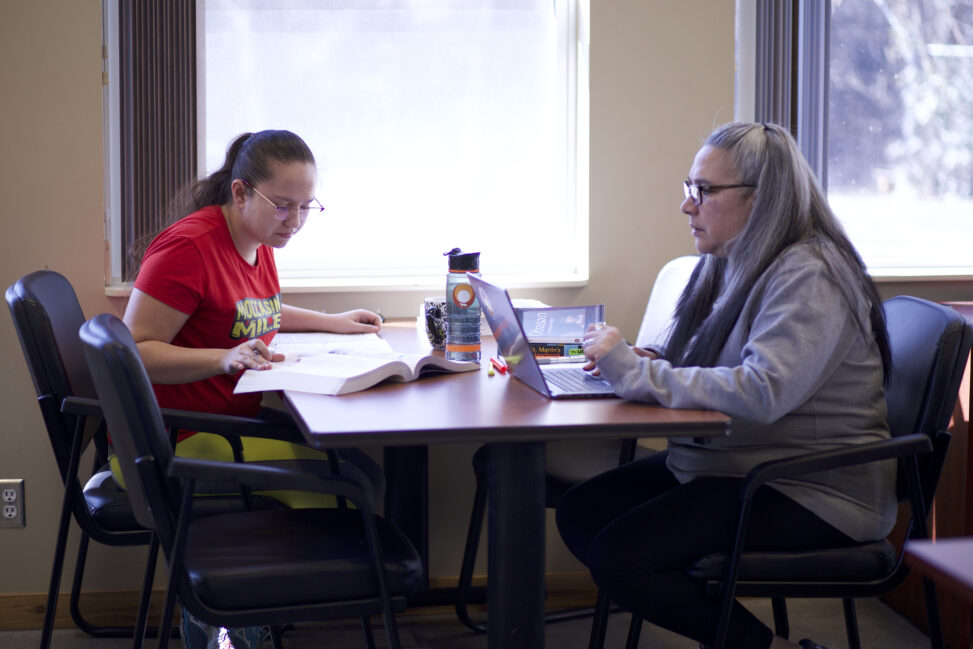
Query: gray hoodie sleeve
point(791, 336)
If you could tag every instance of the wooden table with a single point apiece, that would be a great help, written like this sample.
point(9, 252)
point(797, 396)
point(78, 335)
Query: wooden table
point(514, 422)
point(947, 562)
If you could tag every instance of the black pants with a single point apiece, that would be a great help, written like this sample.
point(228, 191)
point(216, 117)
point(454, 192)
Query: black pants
point(636, 528)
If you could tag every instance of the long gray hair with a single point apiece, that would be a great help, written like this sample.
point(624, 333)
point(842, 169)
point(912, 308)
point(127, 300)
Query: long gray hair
point(789, 208)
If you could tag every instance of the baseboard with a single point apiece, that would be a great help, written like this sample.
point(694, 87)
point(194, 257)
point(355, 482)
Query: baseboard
point(564, 590)
point(111, 608)
point(117, 607)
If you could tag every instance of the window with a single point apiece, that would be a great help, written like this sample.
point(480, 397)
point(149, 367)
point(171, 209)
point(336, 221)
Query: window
point(434, 125)
point(900, 141)
point(878, 93)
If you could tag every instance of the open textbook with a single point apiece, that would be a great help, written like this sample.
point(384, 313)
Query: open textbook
point(336, 364)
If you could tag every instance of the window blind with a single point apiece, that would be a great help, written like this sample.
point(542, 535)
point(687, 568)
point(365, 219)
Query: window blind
point(158, 113)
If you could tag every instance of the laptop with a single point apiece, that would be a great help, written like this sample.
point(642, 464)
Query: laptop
point(557, 381)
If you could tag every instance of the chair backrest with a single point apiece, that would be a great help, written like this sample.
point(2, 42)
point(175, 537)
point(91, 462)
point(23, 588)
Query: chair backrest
point(668, 286)
point(46, 316)
point(930, 346)
point(132, 412)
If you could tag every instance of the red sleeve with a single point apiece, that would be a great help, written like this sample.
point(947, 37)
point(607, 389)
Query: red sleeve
point(172, 272)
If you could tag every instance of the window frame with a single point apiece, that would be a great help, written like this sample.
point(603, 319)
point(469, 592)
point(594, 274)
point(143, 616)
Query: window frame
point(788, 82)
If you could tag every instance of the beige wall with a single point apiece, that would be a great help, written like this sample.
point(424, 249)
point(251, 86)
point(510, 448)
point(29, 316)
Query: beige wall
point(658, 87)
point(52, 184)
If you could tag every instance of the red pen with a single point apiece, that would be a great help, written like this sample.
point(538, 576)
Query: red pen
point(499, 364)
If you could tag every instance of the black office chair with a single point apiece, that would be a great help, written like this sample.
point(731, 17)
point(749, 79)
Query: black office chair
point(46, 317)
point(930, 346)
point(268, 567)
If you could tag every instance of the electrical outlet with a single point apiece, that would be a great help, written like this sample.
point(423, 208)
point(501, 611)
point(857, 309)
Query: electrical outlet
point(12, 503)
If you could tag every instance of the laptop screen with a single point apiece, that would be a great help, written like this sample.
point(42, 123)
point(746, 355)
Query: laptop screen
point(509, 334)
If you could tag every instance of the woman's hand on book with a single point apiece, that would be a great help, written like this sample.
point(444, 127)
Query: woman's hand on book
point(251, 355)
point(357, 321)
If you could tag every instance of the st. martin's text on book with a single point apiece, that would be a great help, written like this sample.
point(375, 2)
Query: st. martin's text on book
point(336, 364)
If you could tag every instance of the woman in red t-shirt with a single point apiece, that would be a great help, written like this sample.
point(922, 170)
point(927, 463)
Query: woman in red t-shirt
point(206, 306)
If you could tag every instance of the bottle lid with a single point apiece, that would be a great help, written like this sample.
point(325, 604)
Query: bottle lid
point(463, 261)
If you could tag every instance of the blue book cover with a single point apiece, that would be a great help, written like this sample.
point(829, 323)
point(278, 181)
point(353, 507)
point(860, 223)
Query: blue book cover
point(559, 324)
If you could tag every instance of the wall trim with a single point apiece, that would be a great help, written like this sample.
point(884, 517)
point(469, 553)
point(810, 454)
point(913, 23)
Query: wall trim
point(19, 612)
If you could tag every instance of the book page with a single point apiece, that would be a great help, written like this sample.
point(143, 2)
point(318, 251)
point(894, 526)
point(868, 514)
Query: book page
point(307, 343)
point(339, 363)
point(321, 373)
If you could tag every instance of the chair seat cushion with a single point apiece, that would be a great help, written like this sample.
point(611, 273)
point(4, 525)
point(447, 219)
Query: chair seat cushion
point(109, 506)
point(313, 555)
point(860, 563)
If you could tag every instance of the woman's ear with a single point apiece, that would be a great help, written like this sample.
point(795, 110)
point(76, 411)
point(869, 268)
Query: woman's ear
point(238, 192)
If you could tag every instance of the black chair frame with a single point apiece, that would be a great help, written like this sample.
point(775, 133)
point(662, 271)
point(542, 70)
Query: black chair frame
point(162, 488)
point(920, 405)
point(73, 420)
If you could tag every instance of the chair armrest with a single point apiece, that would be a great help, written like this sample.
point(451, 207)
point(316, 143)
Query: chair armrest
point(259, 476)
point(81, 406)
point(824, 460)
point(192, 420)
point(232, 425)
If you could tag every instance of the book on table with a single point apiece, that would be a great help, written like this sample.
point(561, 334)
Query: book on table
point(547, 350)
point(336, 364)
point(559, 330)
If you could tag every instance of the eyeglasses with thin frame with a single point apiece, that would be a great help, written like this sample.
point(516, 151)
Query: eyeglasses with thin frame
point(283, 212)
point(697, 192)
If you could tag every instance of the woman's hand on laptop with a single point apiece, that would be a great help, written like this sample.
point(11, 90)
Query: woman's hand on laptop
point(597, 342)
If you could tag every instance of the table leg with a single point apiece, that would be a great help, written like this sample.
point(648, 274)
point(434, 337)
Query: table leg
point(515, 519)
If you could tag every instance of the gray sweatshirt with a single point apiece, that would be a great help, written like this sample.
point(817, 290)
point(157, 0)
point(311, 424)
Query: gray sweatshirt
point(797, 374)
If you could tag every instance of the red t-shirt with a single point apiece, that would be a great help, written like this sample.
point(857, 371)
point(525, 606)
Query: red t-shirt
point(194, 267)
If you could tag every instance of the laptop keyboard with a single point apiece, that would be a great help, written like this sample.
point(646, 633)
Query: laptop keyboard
point(575, 379)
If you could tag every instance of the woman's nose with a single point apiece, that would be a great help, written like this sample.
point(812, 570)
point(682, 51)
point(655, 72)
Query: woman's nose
point(688, 206)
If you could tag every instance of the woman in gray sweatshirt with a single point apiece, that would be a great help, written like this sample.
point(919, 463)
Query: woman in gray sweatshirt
point(781, 328)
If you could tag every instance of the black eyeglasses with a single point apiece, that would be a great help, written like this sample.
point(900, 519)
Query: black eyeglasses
point(283, 212)
point(697, 192)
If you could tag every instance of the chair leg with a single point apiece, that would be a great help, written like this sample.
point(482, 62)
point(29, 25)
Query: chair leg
point(366, 629)
point(851, 623)
point(142, 621)
point(465, 584)
point(781, 625)
point(599, 625)
point(75, 602)
point(175, 558)
point(932, 615)
point(165, 624)
point(634, 631)
point(57, 568)
point(275, 638)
